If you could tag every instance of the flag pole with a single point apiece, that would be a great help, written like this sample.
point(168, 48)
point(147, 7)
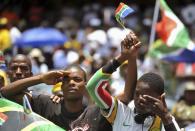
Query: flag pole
point(148, 63)
point(154, 21)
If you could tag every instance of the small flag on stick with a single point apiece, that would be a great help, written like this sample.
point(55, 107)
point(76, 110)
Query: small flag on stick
point(121, 12)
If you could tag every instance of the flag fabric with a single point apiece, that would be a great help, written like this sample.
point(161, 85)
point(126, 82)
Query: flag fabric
point(185, 69)
point(171, 30)
point(185, 55)
point(13, 114)
point(121, 12)
point(3, 118)
point(159, 50)
point(2, 61)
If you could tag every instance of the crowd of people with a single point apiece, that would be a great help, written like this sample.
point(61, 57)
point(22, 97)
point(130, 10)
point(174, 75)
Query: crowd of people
point(126, 98)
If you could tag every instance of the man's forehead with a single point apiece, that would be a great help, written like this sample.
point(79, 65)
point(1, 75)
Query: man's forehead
point(142, 85)
point(75, 71)
point(144, 89)
point(20, 59)
point(19, 64)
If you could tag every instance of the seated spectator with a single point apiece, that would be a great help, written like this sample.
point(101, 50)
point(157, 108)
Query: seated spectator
point(184, 109)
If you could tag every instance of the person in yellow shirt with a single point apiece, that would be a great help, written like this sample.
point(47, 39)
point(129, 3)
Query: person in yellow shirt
point(5, 39)
point(3, 78)
point(73, 43)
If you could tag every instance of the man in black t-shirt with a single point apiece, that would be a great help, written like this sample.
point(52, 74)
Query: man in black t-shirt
point(91, 119)
point(54, 112)
point(73, 87)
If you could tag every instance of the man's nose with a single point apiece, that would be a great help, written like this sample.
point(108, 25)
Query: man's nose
point(72, 82)
point(18, 71)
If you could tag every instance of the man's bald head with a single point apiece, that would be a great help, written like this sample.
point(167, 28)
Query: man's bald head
point(19, 67)
point(22, 58)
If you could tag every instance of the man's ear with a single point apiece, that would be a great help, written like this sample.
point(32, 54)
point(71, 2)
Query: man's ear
point(8, 72)
point(85, 83)
point(31, 74)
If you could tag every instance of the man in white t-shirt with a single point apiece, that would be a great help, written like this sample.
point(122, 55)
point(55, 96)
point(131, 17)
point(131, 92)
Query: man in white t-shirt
point(147, 111)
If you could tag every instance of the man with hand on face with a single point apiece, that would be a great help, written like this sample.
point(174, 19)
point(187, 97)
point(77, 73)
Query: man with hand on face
point(147, 111)
point(73, 87)
point(61, 114)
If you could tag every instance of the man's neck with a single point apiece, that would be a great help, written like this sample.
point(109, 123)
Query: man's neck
point(73, 106)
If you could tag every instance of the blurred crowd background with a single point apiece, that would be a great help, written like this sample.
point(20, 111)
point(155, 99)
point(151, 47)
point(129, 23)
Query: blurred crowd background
point(92, 37)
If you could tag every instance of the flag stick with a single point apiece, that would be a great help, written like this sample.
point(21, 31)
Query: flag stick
point(148, 63)
point(154, 21)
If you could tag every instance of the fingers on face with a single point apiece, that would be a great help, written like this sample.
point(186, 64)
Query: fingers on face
point(60, 75)
point(150, 98)
point(149, 101)
point(63, 72)
point(163, 99)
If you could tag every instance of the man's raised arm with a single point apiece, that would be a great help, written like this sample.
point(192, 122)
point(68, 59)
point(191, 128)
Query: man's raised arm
point(100, 80)
point(131, 75)
point(18, 86)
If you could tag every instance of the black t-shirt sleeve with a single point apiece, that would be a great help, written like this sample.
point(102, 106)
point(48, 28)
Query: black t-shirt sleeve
point(39, 103)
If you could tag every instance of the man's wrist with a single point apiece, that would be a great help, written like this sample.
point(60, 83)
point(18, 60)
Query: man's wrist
point(166, 118)
point(121, 59)
point(40, 78)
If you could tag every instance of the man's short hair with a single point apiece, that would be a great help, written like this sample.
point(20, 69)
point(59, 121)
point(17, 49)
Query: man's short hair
point(154, 81)
point(78, 68)
point(19, 56)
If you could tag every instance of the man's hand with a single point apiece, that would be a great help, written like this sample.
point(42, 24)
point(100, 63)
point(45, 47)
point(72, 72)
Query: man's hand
point(56, 99)
point(157, 106)
point(130, 45)
point(53, 77)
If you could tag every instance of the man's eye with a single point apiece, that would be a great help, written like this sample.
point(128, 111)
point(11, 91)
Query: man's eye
point(13, 68)
point(25, 68)
point(65, 78)
point(77, 79)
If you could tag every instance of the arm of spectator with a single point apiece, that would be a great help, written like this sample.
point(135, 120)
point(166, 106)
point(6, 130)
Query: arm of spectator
point(131, 76)
point(100, 80)
point(49, 78)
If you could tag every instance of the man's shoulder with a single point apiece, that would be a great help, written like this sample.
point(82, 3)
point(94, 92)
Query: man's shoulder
point(121, 105)
point(43, 100)
point(43, 105)
point(40, 97)
point(92, 109)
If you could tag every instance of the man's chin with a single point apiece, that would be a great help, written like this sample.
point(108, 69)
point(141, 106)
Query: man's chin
point(73, 98)
point(15, 79)
point(142, 111)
